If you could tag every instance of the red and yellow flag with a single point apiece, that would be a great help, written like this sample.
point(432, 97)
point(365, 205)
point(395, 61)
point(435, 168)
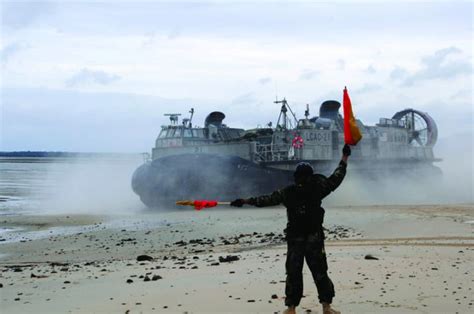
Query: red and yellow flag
point(351, 131)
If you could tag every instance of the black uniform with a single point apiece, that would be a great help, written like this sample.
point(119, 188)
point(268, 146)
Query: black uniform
point(304, 230)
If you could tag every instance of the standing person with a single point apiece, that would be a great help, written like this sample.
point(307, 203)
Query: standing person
point(304, 232)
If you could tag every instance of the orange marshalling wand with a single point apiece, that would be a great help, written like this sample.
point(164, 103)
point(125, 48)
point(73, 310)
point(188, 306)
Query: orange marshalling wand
point(200, 204)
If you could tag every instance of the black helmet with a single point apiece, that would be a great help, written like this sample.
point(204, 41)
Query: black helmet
point(303, 169)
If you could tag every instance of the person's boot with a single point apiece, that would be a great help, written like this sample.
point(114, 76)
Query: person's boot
point(327, 309)
point(290, 310)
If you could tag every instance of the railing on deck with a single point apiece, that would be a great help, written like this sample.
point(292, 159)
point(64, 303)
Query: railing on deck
point(272, 152)
point(146, 157)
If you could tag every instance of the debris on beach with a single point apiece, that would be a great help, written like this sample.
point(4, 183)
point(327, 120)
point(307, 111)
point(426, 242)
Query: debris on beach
point(142, 258)
point(228, 258)
point(371, 257)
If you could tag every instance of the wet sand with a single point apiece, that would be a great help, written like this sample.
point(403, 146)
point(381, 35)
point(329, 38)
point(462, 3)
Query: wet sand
point(227, 260)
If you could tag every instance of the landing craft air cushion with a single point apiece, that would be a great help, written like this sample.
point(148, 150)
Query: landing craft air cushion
point(220, 162)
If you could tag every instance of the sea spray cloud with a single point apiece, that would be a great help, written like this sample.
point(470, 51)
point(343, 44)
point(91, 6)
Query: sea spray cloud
point(91, 186)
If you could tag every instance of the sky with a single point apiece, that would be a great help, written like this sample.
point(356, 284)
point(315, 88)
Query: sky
point(98, 76)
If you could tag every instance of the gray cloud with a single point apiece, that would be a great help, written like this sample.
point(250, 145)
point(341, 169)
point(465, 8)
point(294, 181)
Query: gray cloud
point(464, 94)
point(17, 15)
point(80, 126)
point(368, 88)
point(149, 40)
point(10, 50)
point(341, 64)
point(325, 21)
point(438, 67)
point(245, 99)
point(398, 73)
point(330, 95)
point(86, 76)
point(174, 33)
point(370, 70)
point(151, 37)
point(308, 74)
point(265, 80)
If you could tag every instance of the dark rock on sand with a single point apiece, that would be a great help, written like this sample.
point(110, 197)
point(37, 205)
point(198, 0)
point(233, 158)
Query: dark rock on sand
point(228, 258)
point(156, 277)
point(129, 280)
point(141, 258)
point(371, 257)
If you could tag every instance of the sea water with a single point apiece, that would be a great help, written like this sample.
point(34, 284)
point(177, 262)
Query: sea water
point(67, 185)
point(64, 186)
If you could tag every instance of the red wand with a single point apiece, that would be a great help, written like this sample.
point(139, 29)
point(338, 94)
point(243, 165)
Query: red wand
point(200, 204)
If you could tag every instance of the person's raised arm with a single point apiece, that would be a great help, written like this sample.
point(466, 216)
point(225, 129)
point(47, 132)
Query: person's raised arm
point(330, 184)
point(273, 199)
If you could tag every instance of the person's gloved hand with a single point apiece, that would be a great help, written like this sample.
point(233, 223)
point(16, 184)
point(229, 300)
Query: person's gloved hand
point(346, 150)
point(238, 202)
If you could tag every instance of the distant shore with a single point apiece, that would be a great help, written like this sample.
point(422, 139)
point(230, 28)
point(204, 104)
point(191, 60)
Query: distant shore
point(64, 154)
point(46, 157)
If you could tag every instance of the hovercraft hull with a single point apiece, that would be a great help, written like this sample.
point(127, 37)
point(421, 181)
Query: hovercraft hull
point(163, 181)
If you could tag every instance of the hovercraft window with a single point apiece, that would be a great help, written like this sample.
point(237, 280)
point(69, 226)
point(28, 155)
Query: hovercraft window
point(198, 133)
point(163, 133)
point(177, 133)
point(187, 133)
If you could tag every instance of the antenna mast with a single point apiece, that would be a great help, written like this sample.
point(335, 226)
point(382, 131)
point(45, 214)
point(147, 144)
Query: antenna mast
point(286, 122)
point(188, 122)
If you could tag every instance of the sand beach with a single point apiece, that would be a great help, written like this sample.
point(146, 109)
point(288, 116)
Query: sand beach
point(232, 260)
